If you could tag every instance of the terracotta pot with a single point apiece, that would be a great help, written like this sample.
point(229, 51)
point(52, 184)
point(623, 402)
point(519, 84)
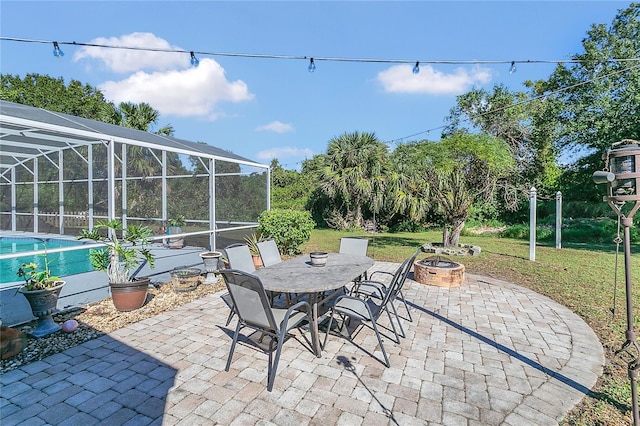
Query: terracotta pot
point(129, 296)
point(257, 260)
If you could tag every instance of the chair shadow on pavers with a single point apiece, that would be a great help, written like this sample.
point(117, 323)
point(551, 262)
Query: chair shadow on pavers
point(101, 381)
point(349, 366)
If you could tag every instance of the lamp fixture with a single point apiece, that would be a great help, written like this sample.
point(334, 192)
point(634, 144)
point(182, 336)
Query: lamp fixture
point(312, 65)
point(513, 68)
point(56, 50)
point(194, 61)
point(416, 69)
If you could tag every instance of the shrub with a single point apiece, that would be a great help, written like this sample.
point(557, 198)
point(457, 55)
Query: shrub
point(407, 225)
point(521, 232)
point(289, 228)
point(601, 230)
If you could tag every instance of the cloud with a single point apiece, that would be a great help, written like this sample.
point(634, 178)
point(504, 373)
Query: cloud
point(284, 152)
point(400, 79)
point(275, 126)
point(187, 92)
point(127, 60)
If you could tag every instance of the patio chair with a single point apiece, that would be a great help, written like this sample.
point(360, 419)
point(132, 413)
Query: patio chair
point(367, 311)
point(239, 257)
point(251, 303)
point(354, 245)
point(378, 289)
point(383, 286)
point(270, 255)
point(269, 252)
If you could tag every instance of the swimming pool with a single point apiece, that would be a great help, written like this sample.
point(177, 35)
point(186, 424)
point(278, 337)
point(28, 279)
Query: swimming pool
point(61, 263)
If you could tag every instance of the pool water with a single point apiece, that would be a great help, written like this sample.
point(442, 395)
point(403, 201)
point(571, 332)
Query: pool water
point(60, 264)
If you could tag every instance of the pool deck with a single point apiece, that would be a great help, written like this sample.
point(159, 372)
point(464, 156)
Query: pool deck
point(486, 353)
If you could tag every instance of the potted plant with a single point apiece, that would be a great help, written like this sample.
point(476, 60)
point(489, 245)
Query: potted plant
point(252, 242)
point(41, 289)
point(211, 260)
point(119, 258)
point(175, 227)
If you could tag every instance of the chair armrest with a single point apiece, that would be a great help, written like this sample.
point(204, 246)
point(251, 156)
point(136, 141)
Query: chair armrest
point(380, 272)
point(295, 307)
point(370, 288)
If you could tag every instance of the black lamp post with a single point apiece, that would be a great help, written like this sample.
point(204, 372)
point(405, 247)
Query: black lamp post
point(623, 181)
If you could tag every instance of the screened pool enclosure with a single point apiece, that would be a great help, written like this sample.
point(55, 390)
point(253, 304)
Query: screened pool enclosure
point(60, 173)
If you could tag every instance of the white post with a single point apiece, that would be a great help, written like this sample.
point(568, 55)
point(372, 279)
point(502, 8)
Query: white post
point(36, 208)
point(61, 191)
point(90, 185)
point(14, 216)
point(111, 179)
point(532, 224)
point(164, 188)
point(124, 201)
point(558, 220)
point(212, 203)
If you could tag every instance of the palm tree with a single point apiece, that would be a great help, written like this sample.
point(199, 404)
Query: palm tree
point(353, 177)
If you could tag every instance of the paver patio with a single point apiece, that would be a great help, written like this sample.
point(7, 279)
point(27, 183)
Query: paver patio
point(488, 352)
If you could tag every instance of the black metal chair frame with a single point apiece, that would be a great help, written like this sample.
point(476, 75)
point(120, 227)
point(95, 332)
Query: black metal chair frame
point(256, 313)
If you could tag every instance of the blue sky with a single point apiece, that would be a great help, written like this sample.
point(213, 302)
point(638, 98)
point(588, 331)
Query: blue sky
point(266, 108)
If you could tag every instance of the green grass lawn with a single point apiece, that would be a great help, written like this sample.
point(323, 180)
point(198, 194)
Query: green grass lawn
point(579, 276)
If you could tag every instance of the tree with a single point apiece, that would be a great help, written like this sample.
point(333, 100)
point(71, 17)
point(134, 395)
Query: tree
point(454, 173)
point(408, 189)
point(520, 119)
point(353, 177)
point(599, 94)
point(42, 91)
point(289, 188)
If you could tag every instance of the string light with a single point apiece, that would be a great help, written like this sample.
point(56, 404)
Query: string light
point(493, 111)
point(56, 50)
point(194, 61)
point(597, 67)
point(334, 59)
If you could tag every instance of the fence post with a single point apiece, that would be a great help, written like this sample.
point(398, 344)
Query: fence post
point(532, 224)
point(558, 220)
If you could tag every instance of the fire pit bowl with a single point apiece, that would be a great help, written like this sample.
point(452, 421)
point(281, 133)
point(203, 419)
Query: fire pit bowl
point(438, 271)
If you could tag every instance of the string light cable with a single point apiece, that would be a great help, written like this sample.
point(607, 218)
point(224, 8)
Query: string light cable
point(397, 141)
point(512, 63)
point(527, 101)
point(313, 59)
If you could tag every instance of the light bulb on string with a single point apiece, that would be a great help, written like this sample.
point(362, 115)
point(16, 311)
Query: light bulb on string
point(416, 69)
point(513, 68)
point(312, 65)
point(56, 50)
point(194, 61)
